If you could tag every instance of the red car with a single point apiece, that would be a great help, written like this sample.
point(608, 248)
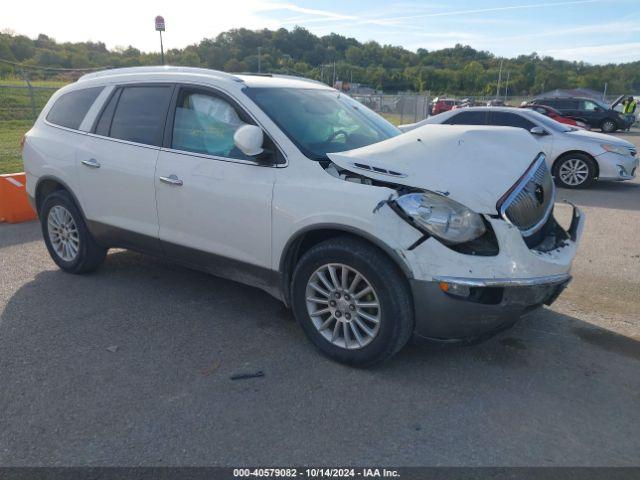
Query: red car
point(442, 105)
point(555, 115)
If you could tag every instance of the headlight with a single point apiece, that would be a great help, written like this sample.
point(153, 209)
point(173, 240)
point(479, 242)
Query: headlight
point(441, 217)
point(615, 149)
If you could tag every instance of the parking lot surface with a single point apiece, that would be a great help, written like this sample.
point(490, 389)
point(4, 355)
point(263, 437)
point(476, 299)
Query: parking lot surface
point(131, 365)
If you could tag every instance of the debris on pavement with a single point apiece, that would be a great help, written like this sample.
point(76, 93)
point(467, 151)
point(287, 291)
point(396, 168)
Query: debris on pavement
point(113, 348)
point(244, 376)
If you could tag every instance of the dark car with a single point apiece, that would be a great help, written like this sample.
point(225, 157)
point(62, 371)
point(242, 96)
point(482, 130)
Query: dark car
point(587, 110)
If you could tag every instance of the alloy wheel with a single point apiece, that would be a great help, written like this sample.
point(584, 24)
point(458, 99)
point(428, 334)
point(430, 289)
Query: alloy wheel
point(574, 172)
point(343, 306)
point(608, 126)
point(63, 233)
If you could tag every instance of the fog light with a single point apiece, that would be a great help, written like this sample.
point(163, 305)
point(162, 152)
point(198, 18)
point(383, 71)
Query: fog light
point(455, 289)
point(621, 171)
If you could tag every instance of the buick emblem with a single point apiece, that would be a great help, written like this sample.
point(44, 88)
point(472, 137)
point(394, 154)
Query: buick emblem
point(536, 191)
point(539, 193)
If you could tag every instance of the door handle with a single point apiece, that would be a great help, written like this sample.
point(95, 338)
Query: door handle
point(92, 162)
point(171, 180)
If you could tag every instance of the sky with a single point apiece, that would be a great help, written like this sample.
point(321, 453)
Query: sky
point(594, 31)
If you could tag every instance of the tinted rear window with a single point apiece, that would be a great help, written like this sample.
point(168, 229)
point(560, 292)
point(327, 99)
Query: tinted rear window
point(71, 108)
point(560, 103)
point(141, 113)
point(469, 118)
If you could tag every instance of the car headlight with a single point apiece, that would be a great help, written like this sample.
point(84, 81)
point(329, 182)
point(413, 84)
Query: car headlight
point(441, 217)
point(615, 149)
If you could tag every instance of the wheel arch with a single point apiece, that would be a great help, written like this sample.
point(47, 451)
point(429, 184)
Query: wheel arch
point(556, 163)
point(307, 237)
point(49, 184)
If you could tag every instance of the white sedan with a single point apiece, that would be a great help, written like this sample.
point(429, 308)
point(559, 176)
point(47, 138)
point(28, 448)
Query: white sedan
point(576, 157)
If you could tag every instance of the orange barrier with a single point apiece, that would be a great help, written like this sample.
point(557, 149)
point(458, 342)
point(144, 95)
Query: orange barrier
point(14, 206)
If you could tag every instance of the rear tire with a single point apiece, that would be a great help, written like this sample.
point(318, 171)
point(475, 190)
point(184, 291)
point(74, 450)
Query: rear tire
point(575, 170)
point(66, 236)
point(352, 330)
point(608, 126)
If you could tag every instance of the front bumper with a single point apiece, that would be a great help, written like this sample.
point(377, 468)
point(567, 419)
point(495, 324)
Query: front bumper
point(617, 167)
point(455, 306)
point(493, 304)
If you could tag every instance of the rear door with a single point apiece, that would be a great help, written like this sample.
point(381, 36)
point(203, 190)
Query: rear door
point(117, 162)
point(570, 107)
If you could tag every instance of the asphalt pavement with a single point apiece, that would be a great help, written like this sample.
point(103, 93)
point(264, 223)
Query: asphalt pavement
point(132, 365)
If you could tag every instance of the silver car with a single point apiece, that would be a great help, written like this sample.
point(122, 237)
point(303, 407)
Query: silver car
point(576, 157)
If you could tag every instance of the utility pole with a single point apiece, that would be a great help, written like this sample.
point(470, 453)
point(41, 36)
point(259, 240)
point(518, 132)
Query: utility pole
point(334, 74)
point(259, 64)
point(499, 79)
point(506, 88)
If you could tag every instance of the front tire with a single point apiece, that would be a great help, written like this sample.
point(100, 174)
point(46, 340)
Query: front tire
point(66, 235)
point(608, 126)
point(352, 301)
point(576, 170)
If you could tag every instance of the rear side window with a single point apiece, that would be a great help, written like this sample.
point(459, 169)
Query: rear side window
point(71, 108)
point(104, 123)
point(139, 115)
point(469, 118)
point(507, 119)
point(562, 104)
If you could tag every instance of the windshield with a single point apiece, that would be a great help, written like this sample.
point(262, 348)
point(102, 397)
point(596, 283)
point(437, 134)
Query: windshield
point(549, 123)
point(322, 121)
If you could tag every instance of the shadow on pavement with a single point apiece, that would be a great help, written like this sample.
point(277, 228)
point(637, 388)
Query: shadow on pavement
point(616, 195)
point(19, 233)
point(131, 365)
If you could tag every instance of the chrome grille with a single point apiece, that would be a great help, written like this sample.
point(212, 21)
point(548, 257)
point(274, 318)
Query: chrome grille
point(530, 203)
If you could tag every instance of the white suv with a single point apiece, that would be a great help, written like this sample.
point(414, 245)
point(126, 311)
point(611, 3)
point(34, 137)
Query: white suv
point(368, 234)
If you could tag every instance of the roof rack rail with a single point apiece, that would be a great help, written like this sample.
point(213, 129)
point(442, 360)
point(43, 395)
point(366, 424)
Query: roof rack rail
point(157, 69)
point(294, 77)
point(256, 74)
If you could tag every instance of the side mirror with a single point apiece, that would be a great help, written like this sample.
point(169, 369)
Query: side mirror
point(538, 131)
point(249, 140)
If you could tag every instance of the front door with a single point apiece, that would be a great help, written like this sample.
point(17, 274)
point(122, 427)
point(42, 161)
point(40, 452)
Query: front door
point(214, 202)
point(510, 119)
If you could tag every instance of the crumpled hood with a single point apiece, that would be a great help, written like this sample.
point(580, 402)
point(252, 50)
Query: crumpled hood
point(476, 165)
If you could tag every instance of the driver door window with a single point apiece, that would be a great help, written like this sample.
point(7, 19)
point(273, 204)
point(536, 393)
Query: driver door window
point(589, 106)
point(507, 119)
point(205, 123)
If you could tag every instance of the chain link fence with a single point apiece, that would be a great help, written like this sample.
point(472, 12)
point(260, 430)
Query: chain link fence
point(23, 102)
point(398, 109)
point(23, 94)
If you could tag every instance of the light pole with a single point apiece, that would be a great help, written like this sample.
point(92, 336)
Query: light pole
point(499, 78)
point(160, 28)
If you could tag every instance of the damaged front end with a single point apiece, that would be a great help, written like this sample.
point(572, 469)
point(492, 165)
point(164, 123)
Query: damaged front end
point(490, 248)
